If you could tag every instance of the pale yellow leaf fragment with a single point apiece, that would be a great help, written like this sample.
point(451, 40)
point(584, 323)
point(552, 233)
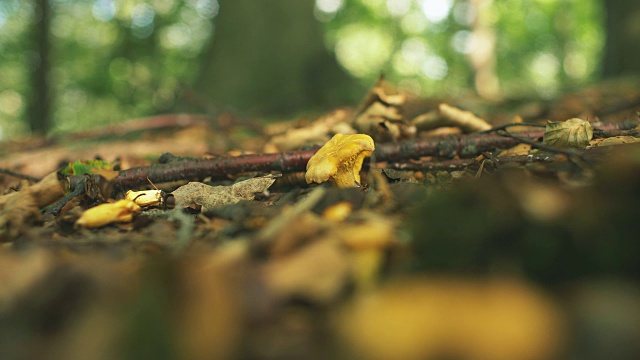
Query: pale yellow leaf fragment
point(615, 140)
point(104, 214)
point(448, 115)
point(145, 197)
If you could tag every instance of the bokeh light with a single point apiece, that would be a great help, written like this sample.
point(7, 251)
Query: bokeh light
point(118, 59)
point(435, 10)
point(438, 45)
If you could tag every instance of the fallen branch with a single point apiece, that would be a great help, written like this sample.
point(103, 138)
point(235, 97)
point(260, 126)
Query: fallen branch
point(462, 164)
point(18, 175)
point(224, 167)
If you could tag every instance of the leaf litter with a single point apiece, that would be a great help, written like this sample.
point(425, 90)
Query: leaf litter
point(450, 245)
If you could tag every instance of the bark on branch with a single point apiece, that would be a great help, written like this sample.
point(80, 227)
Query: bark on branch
point(225, 166)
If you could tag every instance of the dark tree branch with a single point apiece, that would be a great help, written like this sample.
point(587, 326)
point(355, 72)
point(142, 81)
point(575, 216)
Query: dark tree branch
point(224, 167)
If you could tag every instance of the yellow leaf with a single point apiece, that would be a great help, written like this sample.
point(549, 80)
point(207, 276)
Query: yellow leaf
point(104, 214)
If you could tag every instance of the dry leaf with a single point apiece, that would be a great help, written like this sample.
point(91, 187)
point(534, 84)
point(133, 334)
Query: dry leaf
point(209, 197)
point(318, 272)
point(520, 149)
point(301, 230)
point(21, 208)
point(368, 240)
point(338, 212)
point(379, 114)
point(316, 133)
point(151, 198)
point(104, 214)
point(575, 133)
point(18, 274)
point(448, 115)
point(615, 140)
point(383, 123)
point(451, 318)
point(212, 309)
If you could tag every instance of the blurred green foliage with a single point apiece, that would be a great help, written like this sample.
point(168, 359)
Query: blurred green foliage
point(119, 59)
point(111, 60)
point(541, 46)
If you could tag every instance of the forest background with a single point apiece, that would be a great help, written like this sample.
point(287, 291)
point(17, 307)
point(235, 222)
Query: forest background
point(69, 65)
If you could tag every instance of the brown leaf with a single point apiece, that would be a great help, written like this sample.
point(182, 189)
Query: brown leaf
point(317, 273)
point(22, 208)
point(196, 193)
point(575, 133)
point(316, 133)
point(615, 140)
point(379, 114)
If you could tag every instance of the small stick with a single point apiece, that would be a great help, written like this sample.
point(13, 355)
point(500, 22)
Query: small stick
point(19, 175)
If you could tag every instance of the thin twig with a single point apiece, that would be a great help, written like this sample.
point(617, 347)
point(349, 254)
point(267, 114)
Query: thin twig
point(19, 175)
point(541, 146)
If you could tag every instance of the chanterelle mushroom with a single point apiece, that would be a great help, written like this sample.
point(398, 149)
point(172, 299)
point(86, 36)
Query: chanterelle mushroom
point(340, 160)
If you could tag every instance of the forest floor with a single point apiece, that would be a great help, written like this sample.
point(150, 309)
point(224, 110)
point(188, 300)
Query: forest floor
point(466, 238)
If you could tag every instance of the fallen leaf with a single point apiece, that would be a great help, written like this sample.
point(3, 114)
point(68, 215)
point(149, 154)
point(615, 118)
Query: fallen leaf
point(448, 115)
point(104, 214)
point(520, 149)
point(209, 197)
point(499, 319)
point(81, 167)
point(21, 208)
point(575, 133)
point(379, 114)
point(317, 133)
point(615, 140)
point(318, 273)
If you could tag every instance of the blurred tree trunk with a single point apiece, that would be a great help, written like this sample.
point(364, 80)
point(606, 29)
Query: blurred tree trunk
point(483, 58)
point(39, 106)
point(622, 49)
point(269, 57)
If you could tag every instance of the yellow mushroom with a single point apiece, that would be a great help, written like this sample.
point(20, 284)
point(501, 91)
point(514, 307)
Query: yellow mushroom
point(119, 211)
point(340, 160)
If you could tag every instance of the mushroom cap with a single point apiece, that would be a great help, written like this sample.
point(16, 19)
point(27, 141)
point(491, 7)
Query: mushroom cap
point(340, 160)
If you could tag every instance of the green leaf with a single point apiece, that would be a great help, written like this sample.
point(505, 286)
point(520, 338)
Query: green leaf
point(81, 167)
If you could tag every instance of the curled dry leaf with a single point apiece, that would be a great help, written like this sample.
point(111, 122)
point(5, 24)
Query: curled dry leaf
point(340, 160)
point(316, 133)
point(104, 214)
point(379, 114)
point(448, 115)
point(209, 197)
point(383, 123)
point(575, 133)
point(22, 207)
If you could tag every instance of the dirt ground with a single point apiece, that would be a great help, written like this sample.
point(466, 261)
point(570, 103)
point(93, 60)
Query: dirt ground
point(467, 239)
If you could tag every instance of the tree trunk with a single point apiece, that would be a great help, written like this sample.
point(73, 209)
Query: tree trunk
point(269, 57)
point(622, 48)
point(39, 107)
